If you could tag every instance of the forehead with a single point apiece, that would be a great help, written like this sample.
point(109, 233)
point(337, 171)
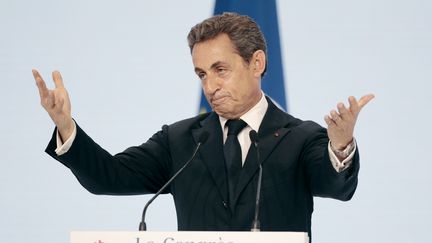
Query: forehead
point(217, 49)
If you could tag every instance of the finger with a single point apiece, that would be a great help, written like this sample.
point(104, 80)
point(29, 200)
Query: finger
point(335, 117)
point(329, 121)
point(354, 106)
point(365, 99)
point(343, 111)
point(58, 80)
point(43, 90)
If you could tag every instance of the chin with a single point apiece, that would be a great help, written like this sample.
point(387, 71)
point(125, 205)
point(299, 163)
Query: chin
point(219, 112)
point(222, 113)
point(226, 115)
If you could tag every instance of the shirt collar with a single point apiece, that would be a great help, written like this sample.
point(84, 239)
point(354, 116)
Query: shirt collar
point(254, 116)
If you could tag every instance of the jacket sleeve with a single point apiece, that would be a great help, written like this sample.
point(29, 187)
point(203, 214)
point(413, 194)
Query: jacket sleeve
point(137, 170)
point(323, 179)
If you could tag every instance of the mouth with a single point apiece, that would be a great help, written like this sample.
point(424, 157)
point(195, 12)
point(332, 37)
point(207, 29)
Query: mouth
point(218, 100)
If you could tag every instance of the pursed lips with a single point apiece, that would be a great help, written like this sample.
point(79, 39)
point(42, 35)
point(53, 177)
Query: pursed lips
point(219, 99)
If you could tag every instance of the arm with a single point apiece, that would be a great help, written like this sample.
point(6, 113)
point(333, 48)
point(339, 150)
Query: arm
point(323, 179)
point(137, 170)
point(140, 169)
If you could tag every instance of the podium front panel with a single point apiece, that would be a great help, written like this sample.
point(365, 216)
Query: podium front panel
point(187, 237)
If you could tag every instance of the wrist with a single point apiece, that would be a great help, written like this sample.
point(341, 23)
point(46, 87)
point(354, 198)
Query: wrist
point(340, 145)
point(342, 151)
point(66, 130)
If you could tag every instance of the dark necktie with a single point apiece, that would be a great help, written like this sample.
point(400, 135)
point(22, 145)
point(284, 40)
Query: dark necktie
point(232, 153)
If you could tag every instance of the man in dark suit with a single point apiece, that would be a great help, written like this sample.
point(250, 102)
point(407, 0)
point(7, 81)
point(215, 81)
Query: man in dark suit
point(300, 159)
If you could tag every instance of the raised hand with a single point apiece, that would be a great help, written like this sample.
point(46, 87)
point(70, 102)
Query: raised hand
point(341, 122)
point(56, 102)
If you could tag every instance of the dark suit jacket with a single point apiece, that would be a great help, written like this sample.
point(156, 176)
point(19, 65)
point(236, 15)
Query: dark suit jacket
point(294, 156)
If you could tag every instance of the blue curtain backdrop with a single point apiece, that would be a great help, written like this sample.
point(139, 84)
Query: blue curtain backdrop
point(264, 12)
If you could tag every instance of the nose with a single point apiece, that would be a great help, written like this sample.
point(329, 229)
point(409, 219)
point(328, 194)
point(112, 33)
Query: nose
point(211, 84)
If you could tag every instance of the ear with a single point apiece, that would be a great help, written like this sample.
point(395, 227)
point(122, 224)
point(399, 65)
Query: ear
point(258, 63)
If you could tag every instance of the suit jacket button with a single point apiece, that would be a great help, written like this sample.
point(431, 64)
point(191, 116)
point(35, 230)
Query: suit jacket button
point(225, 204)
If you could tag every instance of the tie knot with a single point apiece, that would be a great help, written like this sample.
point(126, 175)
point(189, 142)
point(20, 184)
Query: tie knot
point(235, 126)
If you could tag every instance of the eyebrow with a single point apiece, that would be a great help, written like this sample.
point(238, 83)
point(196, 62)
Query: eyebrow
point(213, 66)
point(216, 64)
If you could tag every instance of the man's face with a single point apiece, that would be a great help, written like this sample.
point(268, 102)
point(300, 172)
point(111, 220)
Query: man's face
point(231, 85)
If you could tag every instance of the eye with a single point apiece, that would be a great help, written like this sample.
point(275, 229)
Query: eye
point(201, 75)
point(221, 70)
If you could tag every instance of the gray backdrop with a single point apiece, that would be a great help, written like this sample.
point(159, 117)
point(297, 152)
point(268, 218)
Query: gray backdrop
point(128, 70)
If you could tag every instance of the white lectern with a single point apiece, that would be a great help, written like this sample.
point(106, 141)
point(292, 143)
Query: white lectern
point(188, 237)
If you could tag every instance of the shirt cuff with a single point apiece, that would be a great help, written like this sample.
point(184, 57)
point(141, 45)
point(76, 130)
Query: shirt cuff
point(62, 148)
point(338, 165)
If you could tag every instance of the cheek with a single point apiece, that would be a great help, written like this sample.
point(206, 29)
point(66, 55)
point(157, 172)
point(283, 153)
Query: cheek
point(240, 89)
point(233, 85)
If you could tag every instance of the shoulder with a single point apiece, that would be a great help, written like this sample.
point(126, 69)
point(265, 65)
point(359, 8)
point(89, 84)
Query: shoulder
point(183, 130)
point(190, 123)
point(277, 115)
point(307, 128)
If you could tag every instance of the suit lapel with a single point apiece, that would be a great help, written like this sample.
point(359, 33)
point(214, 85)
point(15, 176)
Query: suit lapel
point(272, 130)
point(212, 152)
